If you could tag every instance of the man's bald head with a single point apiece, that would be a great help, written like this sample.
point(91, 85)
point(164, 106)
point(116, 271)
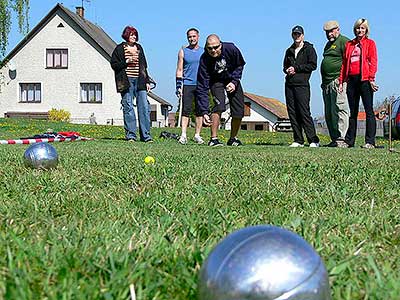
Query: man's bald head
point(213, 45)
point(213, 37)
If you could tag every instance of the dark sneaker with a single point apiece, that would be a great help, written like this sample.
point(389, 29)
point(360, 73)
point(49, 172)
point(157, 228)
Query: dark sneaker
point(332, 144)
point(215, 143)
point(234, 142)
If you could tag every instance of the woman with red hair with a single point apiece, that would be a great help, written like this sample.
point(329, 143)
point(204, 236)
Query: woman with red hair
point(133, 82)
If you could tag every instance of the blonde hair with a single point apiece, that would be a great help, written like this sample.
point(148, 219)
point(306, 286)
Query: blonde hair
point(358, 24)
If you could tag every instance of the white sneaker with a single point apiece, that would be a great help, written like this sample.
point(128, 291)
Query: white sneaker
point(368, 146)
point(296, 145)
point(182, 140)
point(197, 139)
point(314, 145)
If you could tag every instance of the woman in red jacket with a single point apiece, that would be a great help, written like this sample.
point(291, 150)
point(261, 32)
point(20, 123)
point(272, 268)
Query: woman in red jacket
point(358, 71)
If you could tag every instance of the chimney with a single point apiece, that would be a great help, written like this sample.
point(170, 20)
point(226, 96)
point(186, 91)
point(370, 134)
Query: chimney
point(80, 11)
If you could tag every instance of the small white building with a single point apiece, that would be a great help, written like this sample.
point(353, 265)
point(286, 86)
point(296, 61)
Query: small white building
point(261, 113)
point(64, 63)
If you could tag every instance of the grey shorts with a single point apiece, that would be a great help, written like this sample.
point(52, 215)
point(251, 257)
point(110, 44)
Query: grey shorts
point(221, 98)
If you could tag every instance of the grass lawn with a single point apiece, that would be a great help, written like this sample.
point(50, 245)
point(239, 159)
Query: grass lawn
point(104, 219)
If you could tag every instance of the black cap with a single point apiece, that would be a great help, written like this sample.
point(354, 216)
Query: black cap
point(298, 29)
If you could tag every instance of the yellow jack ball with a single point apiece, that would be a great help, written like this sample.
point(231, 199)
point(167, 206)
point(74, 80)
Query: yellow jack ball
point(149, 160)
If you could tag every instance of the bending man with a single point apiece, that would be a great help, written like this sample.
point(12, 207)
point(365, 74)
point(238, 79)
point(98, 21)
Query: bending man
point(220, 71)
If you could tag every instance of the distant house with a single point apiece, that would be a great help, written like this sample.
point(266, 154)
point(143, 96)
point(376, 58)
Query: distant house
point(260, 113)
point(64, 63)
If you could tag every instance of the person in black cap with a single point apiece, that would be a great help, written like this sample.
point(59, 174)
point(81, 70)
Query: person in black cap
point(300, 60)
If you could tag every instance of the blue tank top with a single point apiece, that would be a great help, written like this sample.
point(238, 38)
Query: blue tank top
point(191, 59)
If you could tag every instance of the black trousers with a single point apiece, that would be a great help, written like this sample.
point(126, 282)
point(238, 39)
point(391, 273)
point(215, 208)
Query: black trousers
point(355, 89)
point(298, 107)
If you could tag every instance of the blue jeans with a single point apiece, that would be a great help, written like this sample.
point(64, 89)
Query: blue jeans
point(143, 109)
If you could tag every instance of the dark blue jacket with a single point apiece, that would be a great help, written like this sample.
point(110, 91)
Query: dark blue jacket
point(226, 68)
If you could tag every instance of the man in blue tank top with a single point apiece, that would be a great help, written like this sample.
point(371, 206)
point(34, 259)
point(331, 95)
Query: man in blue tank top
point(186, 82)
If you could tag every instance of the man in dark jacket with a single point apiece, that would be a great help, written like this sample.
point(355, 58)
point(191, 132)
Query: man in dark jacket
point(300, 60)
point(220, 71)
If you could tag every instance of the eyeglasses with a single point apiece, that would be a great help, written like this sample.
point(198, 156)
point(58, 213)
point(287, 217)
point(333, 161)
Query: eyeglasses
point(210, 48)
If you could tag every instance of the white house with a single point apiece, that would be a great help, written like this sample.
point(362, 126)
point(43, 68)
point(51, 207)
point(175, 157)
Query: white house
point(261, 113)
point(64, 63)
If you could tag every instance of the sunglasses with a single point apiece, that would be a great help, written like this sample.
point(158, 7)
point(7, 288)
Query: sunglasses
point(213, 47)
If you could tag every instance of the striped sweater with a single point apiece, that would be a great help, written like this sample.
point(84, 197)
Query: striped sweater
point(132, 52)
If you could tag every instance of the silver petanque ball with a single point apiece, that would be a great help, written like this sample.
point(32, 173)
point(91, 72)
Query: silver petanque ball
point(263, 263)
point(41, 156)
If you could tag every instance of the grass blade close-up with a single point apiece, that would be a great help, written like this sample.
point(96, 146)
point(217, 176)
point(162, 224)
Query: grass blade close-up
point(104, 219)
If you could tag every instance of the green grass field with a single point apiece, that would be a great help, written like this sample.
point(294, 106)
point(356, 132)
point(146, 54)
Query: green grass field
point(104, 219)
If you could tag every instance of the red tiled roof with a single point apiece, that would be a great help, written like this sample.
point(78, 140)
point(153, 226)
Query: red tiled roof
point(273, 105)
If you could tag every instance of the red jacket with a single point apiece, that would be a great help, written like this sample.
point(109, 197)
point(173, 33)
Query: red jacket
point(369, 60)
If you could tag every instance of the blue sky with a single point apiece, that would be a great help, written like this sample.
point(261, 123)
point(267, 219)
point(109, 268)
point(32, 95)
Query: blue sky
point(261, 29)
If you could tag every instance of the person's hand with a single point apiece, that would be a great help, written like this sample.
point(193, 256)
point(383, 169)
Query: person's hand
point(206, 120)
point(291, 71)
point(178, 92)
point(148, 87)
point(178, 86)
point(130, 60)
point(230, 87)
point(374, 86)
point(340, 88)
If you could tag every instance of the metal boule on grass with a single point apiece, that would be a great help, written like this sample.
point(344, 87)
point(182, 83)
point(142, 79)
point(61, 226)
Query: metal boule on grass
point(41, 156)
point(263, 263)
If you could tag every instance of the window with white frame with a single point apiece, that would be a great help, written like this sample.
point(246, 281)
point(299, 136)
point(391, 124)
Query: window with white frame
point(91, 93)
point(30, 92)
point(57, 58)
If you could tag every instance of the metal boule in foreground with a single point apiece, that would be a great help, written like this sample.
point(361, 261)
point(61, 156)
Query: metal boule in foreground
point(41, 156)
point(263, 263)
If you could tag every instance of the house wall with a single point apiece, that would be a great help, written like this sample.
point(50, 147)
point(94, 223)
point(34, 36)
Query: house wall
point(258, 115)
point(61, 87)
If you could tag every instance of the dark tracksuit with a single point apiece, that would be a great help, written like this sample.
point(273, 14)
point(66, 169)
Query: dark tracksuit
point(297, 91)
point(214, 74)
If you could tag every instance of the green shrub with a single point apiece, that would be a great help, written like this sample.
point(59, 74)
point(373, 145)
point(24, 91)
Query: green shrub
point(59, 115)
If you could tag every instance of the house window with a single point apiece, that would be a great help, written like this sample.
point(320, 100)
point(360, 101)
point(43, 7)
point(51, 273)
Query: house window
point(243, 127)
point(153, 113)
point(91, 93)
point(30, 92)
point(259, 127)
point(247, 107)
point(57, 58)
